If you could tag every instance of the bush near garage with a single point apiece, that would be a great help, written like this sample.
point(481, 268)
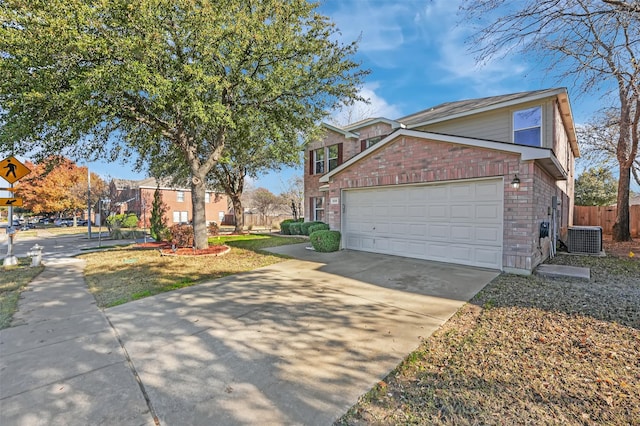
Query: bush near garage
point(295, 228)
point(285, 225)
point(325, 241)
point(304, 228)
point(320, 226)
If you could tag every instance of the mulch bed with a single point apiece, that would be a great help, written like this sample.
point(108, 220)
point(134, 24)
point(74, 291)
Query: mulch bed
point(167, 250)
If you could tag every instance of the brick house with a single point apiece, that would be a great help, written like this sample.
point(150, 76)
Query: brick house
point(477, 182)
point(128, 196)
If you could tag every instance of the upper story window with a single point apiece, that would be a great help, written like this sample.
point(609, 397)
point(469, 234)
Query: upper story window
point(207, 197)
point(180, 196)
point(372, 141)
point(332, 156)
point(527, 126)
point(368, 143)
point(318, 161)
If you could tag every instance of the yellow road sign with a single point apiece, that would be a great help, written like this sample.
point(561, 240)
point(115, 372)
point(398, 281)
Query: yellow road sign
point(11, 202)
point(13, 170)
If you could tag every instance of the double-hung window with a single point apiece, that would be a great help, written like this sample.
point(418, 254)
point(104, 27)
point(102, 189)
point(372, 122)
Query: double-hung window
point(332, 156)
point(527, 126)
point(318, 161)
point(318, 208)
point(180, 196)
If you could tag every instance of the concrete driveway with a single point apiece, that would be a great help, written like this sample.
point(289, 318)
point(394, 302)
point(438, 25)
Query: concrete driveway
point(293, 343)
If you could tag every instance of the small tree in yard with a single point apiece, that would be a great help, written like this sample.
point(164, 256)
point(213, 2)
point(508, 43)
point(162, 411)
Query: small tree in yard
point(595, 187)
point(158, 223)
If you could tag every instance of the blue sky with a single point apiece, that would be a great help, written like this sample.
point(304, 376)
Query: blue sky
point(418, 58)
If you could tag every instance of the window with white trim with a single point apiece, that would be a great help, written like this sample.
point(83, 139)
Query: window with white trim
point(207, 197)
point(318, 161)
point(332, 156)
point(180, 217)
point(372, 141)
point(180, 196)
point(527, 126)
point(318, 209)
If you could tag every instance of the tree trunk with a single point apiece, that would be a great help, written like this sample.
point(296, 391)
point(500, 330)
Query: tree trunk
point(621, 227)
point(237, 212)
point(199, 220)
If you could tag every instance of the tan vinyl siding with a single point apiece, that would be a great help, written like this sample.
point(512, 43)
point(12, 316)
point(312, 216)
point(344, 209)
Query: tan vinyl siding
point(492, 125)
point(496, 125)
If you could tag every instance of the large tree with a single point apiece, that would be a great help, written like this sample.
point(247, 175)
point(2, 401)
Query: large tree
point(168, 79)
point(594, 42)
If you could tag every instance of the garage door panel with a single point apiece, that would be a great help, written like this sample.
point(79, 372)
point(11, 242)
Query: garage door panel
point(489, 212)
point(438, 231)
point(418, 211)
point(437, 193)
point(462, 234)
point(418, 230)
point(438, 212)
point(459, 222)
point(489, 190)
point(462, 212)
point(460, 252)
point(461, 191)
point(488, 257)
point(489, 235)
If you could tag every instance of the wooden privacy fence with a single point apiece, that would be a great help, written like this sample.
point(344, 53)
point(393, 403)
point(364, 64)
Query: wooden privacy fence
point(605, 217)
point(257, 219)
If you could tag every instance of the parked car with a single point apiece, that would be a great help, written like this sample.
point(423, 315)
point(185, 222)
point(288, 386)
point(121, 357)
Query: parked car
point(63, 222)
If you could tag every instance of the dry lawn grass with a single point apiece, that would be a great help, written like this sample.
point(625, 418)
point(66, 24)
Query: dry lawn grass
point(13, 279)
point(124, 274)
point(526, 350)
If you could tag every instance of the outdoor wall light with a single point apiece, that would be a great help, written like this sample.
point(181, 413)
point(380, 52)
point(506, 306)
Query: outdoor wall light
point(515, 183)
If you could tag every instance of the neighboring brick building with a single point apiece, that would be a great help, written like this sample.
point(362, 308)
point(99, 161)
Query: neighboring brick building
point(441, 184)
point(129, 196)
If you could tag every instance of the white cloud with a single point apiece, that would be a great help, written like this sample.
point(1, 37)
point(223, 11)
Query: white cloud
point(380, 24)
point(377, 107)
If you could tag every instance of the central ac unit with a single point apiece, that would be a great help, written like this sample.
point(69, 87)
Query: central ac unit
point(585, 239)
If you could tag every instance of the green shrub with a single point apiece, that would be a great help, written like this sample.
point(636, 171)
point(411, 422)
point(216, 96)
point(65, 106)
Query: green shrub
point(182, 235)
point(294, 228)
point(318, 227)
point(325, 241)
point(284, 226)
point(126, 220)
point(304, 228)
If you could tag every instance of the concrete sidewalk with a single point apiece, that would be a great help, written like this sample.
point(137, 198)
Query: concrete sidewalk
point(61, 363)
point(295, 343)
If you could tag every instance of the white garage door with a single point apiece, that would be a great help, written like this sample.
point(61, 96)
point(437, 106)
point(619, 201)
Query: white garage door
point(459, 222)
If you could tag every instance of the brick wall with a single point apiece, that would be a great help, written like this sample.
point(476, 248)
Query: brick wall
point(217, 203)
point(412, 160)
